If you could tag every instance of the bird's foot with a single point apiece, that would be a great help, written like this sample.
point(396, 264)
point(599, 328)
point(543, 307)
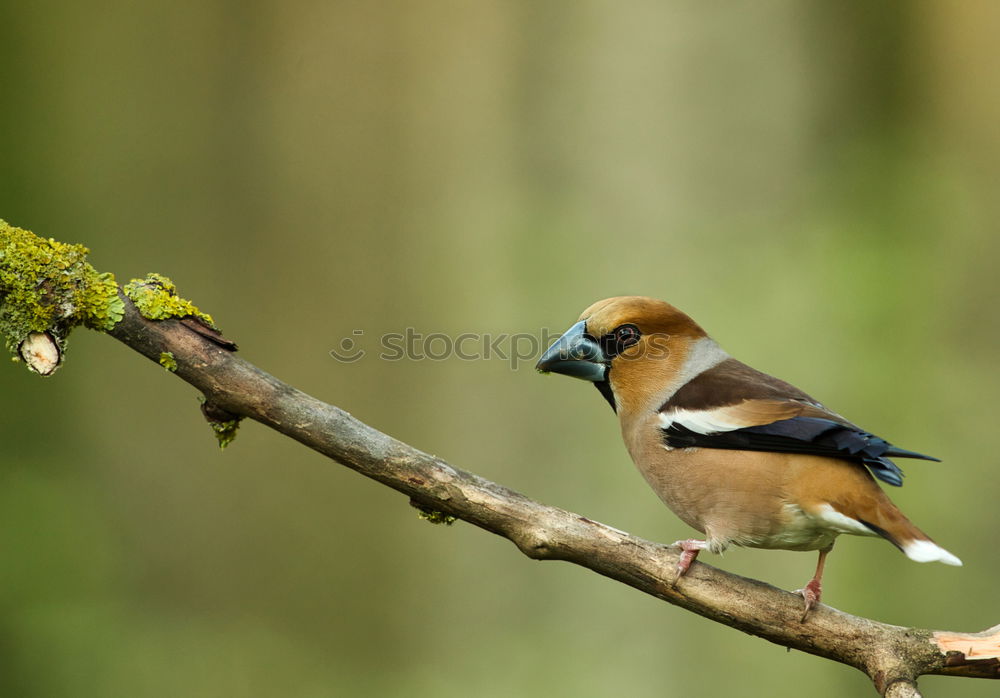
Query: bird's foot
point(689, 551)
point(811, 594)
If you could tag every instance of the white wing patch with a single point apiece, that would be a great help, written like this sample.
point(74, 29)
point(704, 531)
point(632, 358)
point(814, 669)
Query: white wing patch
point(700, 421)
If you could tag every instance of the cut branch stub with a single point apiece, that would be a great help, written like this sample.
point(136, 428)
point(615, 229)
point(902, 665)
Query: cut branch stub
point(971, 653)
point(41, 352)
point(48, 288)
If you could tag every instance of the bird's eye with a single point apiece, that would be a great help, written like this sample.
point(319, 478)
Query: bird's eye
point(619, 339)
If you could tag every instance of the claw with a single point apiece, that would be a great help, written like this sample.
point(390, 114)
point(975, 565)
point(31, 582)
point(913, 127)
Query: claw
point(689, 551)
point(812, 591)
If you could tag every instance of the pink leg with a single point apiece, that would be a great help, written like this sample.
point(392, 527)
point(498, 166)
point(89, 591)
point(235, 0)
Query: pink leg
point(690, 549)
point(814, 588)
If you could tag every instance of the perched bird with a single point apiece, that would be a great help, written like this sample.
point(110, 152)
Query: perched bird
point(739, 455)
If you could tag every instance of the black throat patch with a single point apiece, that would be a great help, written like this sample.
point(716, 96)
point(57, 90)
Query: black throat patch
point(605, 388)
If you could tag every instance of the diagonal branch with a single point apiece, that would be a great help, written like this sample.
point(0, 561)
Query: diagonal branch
point(47, 288)
point(892, 656)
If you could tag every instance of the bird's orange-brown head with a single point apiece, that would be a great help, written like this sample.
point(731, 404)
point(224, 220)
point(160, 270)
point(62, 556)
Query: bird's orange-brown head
point(632, 347)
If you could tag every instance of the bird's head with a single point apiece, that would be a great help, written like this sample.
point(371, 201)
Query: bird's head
point(631, 347)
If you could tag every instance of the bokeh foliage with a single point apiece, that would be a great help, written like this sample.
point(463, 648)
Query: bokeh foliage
point(814, 182)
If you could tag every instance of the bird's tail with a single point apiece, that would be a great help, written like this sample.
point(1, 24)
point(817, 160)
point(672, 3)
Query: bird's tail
point(890, 523)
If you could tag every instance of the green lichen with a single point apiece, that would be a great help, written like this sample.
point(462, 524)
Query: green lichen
point(168, 361)
point(156, 298)
point(436, 517)
point(225, 432)
point(224, 423)
point(48, 286)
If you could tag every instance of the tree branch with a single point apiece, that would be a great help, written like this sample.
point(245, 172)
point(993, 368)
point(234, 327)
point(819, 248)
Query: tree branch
point(47, 288)
point(892, 656)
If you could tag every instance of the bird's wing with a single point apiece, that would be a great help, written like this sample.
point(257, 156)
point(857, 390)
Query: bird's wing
point(733, 406)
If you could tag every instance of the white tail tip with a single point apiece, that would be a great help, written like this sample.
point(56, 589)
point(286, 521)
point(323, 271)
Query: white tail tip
point(928, 551)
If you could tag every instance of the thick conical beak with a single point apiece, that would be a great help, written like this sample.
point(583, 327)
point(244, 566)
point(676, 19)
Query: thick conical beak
point(575, 354)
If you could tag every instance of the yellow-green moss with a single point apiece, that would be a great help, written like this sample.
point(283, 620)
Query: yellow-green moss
point(225, 432)
point(156, 299)
point(435, 517)
point(48, 286)
point(168, 361)
point(224, 424)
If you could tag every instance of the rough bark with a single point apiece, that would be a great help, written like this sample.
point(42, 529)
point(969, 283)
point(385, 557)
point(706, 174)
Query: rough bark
point(892, 656)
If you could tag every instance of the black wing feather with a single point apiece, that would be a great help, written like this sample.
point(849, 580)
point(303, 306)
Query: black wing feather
point(809, 435)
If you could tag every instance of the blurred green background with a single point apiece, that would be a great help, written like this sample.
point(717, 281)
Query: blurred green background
point(816, 183)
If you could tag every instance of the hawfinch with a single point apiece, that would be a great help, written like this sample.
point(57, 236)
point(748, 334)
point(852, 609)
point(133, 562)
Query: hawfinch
point(743, 457)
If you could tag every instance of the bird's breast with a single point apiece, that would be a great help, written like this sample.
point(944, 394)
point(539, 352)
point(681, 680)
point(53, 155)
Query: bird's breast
point(734, 497)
